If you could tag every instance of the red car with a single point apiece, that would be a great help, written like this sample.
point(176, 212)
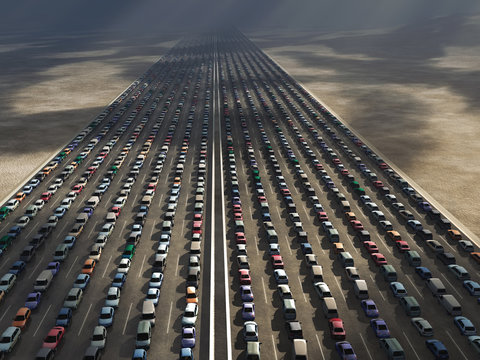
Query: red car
point(116, 210)
point(319, 167)
point(197, 217)
point(379, 259)
point(371, 246)
point(197, 227)
point(77, 189)
point(240, 238)
point(237, 216)
point(262, 199)
point(46, 196)
point(277, 261)
point(344, 172)
point(378, 184)
point(285, 192)
point(337, 330)
point(244, 276)
point(322, 216)
point(237, 208)
point(336, 161)
point(152, 186)
point(55, 335)
point(402, 246)
point(356, 225)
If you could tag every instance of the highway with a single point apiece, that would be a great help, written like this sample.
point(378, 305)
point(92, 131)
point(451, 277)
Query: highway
point(216, 100)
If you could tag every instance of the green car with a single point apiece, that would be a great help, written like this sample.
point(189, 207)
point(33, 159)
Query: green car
point(4, 211)
point(359, 191)
point(129, 251)
point(355, 184)
point(5, 242)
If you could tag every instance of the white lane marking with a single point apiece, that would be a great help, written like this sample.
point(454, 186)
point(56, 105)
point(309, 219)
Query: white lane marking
point(453, 287)
point(71, 267)
point(271, 189)
point(84, 319)
point(366, 347)
point(341, 291)
point(278, 212)
point(288, 245)
point(301, 287)
point(320, 346)
point(5, 313)
point(384, 243)
point(409, 343)
point(176, 268)
point(106, 267)
point(5, 261)
point(411, 282)
point(41, 321)
point(135, 199)
point(353, 245)
point(246, 188)
point(319, 243)
point(141, 267)
point(456, 345)
point(274, 348)
point(225, 274)
point(373, 280)
point(169, 317)
point(264, 291)
point(36, 267)
point(256, 245)
point(305, 209)
point(27, 235)
point(126, 320)
point(160, 201)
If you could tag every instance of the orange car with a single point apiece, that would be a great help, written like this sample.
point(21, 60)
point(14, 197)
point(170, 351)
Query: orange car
point(350, 216)
point(394, 235)
point(338, 247)
point(191, 295)
point(88, 266)
point(20, 196)
point(22, 317)
point(475, 256)
point(454, 235)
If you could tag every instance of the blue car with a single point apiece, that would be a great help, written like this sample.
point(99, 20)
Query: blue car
point(472, 287)
point(60, 212)
point(246, 293)
point(398, 289)
point(106, 316)
point(17, 267)
point(14, 231)
point(88, 210)
point(153, 295)
point(188, 337)
point(345, 350)
point(81, 281)
point(64, 317)
point(186, 354)
point(380, 328)
point(248, 311)
point(465, 326)
point(70, 241)
point(415, 225)
point(423, 272)
point(119, 280)
point(369, 308)
point(34, 183)
point(437, 348)
point(143, 208)
point(54, 267)
point(306, 248)
point(139, 354)
point(27, 189)
point(33, 300)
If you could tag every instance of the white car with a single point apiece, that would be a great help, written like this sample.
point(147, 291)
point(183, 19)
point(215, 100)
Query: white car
point(124, 266)
point(99, 337)
point(39, 204)
point(190, 315)
point(23, 221)
point(12, 204)
point(120, 201)
point(113, 297)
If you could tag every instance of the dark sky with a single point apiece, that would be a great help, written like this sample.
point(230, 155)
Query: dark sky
point(152, 15)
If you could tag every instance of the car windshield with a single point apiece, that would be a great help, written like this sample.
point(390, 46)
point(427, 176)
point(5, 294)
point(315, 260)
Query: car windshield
point(188, 335)
point(382, 327)
point(51, 339)
point(105, 316)
point(63, 316)
point(19, 318)
point(348, 351)
point(111, 297)
point(5, 340)
point(97, 337)
point(188, 313)
point(142, 336)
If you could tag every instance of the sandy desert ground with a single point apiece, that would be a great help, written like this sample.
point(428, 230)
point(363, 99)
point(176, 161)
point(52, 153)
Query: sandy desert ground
point(54, 85)
point(413, 92)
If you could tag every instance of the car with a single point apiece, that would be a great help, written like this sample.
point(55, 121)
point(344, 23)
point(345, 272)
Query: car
point(345, 350)
point(246, 293)
point(27, 189)
point(415, 225)
point(119, 279)
point(274, 249)
point(248, 311)
point(77, 189)
point(250, 331)
point(369, 308)
point(60, 212)
point(22, 317)
point(386, 225)
point(190, 314)
point(40, 203)
point(423, 272)
point(17, 267)
point(124, 266)
point(280, 276)
point(352, 273)
point(465, 326)
point(7, 282)
point(402, 246)
point(398, 289)
point(356, 225)
point(107, 229)
point(424, 206)
point(54, 337)
point(379, 259)
point(454, 235)
point(437, 348)
point(9, 338)
point(88, 266)
point(33, 300)
point(22, 222)
point(46, 196)
point(156, 280)
point(12, 204)
point(472, 287)
point(244, 277)
point(113, 297)
point(185, 354)
point(70, 241)
point(73, 298)
point(371, 247)
point(14, 231)
point(474, 341)
point(188, 337)
point(106, 316)
point(240, 238)
point(153, 294)
point(277, 261)
point(380, 328)
point(322, 290)
point(99, 337)
point(129, 251)
point(337, 329)
point(466, 246)
point(64, 317)
point(422, 326)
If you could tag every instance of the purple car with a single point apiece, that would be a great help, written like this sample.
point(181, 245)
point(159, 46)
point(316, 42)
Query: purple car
point(246, 293)
point(33, 300)
point(424, 206)
point(380, 328)
point(369, 308)
point(345, 350)
point(53, 266)
point(188, 337)
point(248, 311)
